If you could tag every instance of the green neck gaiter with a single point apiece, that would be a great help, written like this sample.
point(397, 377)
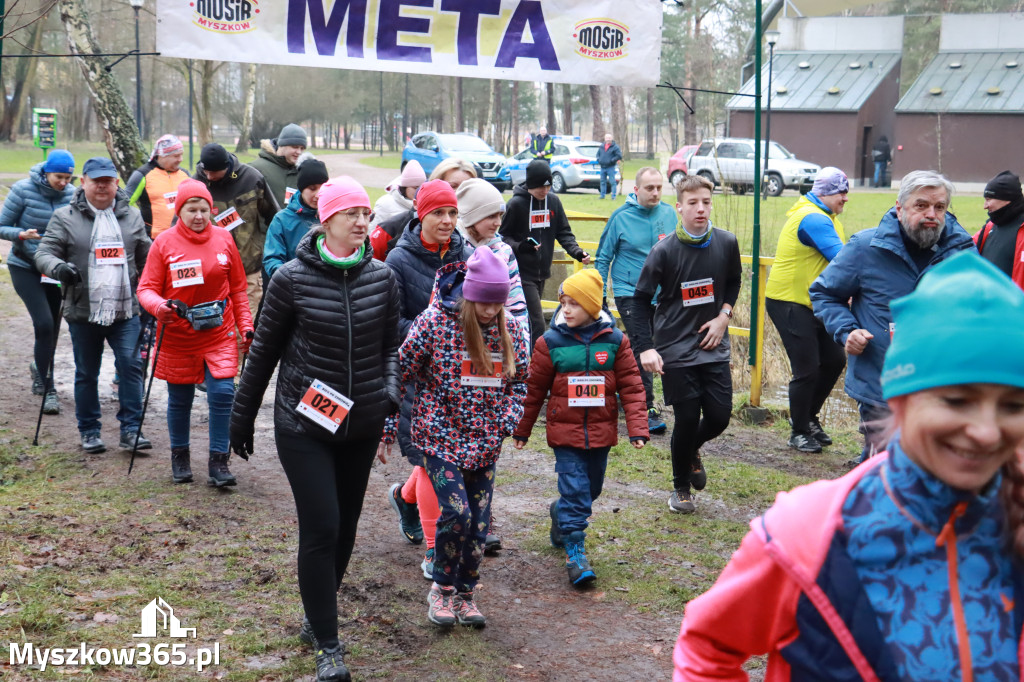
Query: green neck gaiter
point(342, 263)
point(688, 239)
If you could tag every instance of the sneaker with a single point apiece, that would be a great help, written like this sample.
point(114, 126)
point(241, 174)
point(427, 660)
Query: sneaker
point(92, 443)
point(804, 443)
point(681, 501)
point(698, 475)
point(442, 607)
point(466, 612)
point(50, 403)
point(492, 543)
point(556, 533)
point(655, 424)
point(408, 516)
point(818, 433)
point(306, 634)
point(330, 665)
point(427, 565)
point(127, 441)
point(576, 563)
point(37, 380)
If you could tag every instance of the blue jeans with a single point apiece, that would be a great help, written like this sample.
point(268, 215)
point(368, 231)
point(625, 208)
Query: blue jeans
point(220, 393)
point(464, 496)
point(87, 342)
point(608, 174)
point(879, 172)
point(875, 421)
point(580, 481)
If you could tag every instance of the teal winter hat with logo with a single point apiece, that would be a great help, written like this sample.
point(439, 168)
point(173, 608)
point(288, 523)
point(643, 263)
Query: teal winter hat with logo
point(964, 324)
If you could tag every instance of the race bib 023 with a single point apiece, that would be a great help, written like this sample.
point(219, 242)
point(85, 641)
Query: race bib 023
point(187, 273)
point(324, 406)
point(471, 377)
point(698, 292)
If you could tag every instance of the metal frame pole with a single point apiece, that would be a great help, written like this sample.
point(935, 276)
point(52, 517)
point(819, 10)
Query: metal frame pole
point(138, 76)
point(755, 279)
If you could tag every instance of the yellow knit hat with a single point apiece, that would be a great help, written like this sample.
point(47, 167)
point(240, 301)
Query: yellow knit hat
point(586, 288)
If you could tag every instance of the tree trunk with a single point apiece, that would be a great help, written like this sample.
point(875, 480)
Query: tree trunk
point(567, 108)
point(116, 119)
point(650, 123)
point(514, 114)
point(204, 103)
point(460, 119)
point(24, 74)
point(619, 129)
point(499, 118)
point(552, 125)
point(248, 108)
point(405, 110)
point(597, 132)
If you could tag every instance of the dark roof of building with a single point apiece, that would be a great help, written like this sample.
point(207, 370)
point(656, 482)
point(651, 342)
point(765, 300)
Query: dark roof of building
point(990, 82)
point(820, 81)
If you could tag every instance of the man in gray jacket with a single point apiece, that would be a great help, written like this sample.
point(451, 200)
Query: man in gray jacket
point(96, 247)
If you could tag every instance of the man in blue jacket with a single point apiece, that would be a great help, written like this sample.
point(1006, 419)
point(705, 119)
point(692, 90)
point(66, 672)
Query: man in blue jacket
point(851, 297)
point(609, 156)
point(628, 236)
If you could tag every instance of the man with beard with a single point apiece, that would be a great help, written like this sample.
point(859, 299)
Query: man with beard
point(1001, 241)
point(851, 296)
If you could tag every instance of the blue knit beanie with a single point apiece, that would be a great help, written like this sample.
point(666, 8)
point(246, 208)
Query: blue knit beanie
point(59, 161)
point(964, 324)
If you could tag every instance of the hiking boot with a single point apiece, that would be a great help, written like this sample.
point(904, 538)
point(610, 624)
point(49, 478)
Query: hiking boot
point(127, 441)
point(556, 533)
point(220, 476)
point(181, 465)
point(492, 543)
point(92, 443)
point(466, 612)
point(655, 424)
point(698, 475)
point(37, 380)
point(427, 565)
point(306, 634)
point(576, 564)
point(818, 433)
point(804, 443)
point(330, 666)
point(681, 501)
point(408, 516)
point(441, 601)
point(202, 386)
point(50, 403)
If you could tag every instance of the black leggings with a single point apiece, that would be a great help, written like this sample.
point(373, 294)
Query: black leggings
point(43, 303)
point(816, 360)
point(701, 397)
point(328, 482)
point(532, 292)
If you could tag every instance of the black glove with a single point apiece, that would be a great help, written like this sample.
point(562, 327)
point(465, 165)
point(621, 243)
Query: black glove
point(241, 445)
point(179, 308)
point(67, 273)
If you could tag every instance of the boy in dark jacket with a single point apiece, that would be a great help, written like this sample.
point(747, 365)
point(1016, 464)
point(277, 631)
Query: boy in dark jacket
point(533, 220)
point(582, 361)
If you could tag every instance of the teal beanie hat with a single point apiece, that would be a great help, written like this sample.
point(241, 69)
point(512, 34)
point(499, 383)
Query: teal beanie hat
point(964, 324)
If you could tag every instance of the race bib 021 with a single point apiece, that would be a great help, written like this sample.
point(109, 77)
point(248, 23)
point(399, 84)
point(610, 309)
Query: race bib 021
point(471, 377)
point(698, 292)
point(324, 406)
point(586, 391)
point(187, 273)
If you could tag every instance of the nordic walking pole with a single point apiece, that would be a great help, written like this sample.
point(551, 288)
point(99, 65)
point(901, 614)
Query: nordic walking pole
point(53, 357)
point(145, 403)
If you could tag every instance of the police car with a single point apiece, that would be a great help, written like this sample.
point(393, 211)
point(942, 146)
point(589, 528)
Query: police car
point(574, 164)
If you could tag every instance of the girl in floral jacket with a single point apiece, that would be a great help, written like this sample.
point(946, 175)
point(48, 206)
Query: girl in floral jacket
point(468, 361)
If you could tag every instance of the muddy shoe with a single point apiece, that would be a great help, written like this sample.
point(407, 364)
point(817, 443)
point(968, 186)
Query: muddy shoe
point(181, 465)
point(50, 403)
point(556, 533)
point(427, 565)
point(220, 476)
point(408, 516)
point(492, 543)
point(330, 666)
point(698, 475)
point(681, 502)
point(441, 605)
point(804, 443)
point(92, 443)
point(466, 611)
point(306, 634)
point(576, 563)
point(818, 433)
point(127, 441)
point(37, 380)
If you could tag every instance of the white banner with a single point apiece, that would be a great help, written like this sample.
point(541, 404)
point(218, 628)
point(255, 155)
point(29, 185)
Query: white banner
point(596, 42)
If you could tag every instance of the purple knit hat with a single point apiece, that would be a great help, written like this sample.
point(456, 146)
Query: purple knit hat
point(486, 278)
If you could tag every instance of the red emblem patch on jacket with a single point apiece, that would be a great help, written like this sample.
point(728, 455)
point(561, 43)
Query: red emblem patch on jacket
point(601, 356)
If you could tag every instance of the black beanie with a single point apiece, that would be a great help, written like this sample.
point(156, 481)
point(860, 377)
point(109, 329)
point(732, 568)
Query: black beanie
point(1005, 186)
point(538, 174)
point(215, 158)
point(311, 172)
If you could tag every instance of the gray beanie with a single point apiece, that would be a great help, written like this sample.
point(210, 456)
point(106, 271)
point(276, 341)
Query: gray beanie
point(477, 200)
point(292, 135)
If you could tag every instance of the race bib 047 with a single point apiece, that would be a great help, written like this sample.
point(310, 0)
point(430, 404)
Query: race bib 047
point(229, 219)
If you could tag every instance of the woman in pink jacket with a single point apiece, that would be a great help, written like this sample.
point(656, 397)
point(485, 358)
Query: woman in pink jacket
point(194, 284)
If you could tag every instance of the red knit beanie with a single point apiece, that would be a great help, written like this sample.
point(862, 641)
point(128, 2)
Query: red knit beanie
point(191, 189)
point(434, 195)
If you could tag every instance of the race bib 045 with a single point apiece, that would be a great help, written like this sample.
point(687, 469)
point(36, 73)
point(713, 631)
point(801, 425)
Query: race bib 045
point(698, 292)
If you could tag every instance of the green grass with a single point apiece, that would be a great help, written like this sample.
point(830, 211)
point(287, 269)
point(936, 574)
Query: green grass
point(390, 160)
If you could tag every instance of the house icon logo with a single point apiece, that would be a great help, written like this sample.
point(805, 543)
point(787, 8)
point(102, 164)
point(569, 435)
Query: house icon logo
point(158, 618)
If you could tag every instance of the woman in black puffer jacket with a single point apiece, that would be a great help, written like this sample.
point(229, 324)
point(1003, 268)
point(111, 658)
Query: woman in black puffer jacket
point(330, 317)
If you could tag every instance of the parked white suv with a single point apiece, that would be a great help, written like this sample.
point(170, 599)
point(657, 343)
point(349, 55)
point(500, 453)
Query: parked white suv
point(730, 161)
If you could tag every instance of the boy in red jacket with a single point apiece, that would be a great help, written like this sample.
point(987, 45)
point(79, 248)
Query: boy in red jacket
point(583, 361)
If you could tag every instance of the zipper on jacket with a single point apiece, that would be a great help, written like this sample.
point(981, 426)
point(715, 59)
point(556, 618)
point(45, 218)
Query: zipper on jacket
point(348, 316)
point(947, 538)
point(586, 434)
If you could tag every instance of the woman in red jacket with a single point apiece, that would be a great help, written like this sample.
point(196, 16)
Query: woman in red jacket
point(194, 284)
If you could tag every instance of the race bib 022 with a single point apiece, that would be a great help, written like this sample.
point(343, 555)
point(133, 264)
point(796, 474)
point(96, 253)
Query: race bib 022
point(110, 253)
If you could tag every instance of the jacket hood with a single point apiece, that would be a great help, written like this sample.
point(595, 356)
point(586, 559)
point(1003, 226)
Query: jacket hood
point(633, 204)
point(809, 198)
point(297, 206)
point(268, 152)
point(520, 190)
point(410, 239)
point(603, 322)
point(39, 178)
point(887, 234)
point(307, 253)
point(120, 203)
point(447, 290)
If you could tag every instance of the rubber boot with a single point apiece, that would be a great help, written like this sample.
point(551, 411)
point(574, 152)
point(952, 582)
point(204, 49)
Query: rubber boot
point(220, 476)
point(181, 465)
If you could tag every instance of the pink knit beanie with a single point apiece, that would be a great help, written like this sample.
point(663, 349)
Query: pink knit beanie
point(412, 175)
point(486, 278)
point(340, 194)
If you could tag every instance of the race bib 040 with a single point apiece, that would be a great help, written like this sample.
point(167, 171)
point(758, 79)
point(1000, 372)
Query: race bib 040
point(324, 406)
point(187, 273)
point(586, 391)
point(698, 292)
point(470, 376)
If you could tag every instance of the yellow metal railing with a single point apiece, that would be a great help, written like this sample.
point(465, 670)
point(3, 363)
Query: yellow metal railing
point(757, 370)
